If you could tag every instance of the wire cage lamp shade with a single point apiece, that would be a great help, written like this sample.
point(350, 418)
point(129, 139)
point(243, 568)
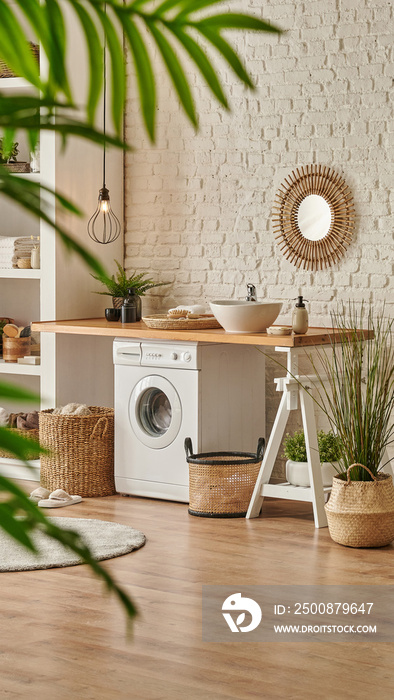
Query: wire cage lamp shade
point(104, 226)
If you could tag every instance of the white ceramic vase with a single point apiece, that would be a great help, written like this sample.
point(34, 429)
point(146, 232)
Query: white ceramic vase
point(297, 473)
point(35, 258)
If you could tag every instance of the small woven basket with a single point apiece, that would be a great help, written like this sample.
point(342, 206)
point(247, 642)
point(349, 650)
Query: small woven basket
point(33, 434)
point(163, 322)
point(81, 459)
point(361, 513)
point(24, 263)
point(18, 167)
point(221, 484)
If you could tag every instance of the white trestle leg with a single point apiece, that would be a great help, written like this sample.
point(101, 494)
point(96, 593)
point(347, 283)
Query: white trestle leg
point(315, 494)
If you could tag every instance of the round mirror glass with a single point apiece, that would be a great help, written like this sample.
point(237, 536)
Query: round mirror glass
point(314, 217)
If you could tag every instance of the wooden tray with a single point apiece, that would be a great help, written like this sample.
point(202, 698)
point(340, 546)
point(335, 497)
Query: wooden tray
point(161, 321)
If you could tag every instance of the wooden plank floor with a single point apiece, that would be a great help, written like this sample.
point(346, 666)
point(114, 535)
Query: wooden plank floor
point(62, 638)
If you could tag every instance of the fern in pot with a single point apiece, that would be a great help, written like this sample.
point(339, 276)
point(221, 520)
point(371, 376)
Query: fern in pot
point(120, 286)
point(294, 448)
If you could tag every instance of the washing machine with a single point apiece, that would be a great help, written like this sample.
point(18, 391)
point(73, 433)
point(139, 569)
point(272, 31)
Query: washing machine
point(166, 391)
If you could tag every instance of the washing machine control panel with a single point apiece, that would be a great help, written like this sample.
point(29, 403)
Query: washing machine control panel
point(169, 355)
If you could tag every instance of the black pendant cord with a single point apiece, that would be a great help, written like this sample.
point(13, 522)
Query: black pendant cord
point(105, 97)
point(104, 226)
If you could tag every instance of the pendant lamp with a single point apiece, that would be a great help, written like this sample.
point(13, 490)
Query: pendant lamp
point(104, 226)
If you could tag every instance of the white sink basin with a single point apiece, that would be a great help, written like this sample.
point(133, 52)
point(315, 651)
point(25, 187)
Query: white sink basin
point(245, 316)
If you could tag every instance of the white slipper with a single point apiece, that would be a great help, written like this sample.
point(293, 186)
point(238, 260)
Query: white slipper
point(58, 499)
point(39, 494)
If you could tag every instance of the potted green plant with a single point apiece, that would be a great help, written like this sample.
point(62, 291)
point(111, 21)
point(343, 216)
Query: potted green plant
point(10, 156)
point(118, 286)
point(294, 448)
point(355, 389)
point(8, 159)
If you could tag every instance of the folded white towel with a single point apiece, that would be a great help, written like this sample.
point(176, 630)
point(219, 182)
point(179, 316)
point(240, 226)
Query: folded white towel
point(193, 308)
point(6, 243)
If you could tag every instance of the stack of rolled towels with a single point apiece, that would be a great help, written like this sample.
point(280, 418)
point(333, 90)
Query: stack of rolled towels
point(12, 248)
point(22, 421)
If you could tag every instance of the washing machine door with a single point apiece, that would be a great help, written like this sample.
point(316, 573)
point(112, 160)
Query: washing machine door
point(155, 411)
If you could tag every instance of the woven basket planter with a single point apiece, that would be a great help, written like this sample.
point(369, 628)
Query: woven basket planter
point(221, 484)
point(32, 434)
point(361, 513)
point(81, 459)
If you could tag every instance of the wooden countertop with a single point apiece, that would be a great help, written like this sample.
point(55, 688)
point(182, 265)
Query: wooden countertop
point(102, 327)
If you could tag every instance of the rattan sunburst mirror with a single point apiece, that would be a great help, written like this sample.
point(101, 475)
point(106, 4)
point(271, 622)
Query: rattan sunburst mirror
point(313, 217)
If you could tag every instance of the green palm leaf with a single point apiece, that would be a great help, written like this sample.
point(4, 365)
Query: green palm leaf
point(34, 519)
point(29, 195)
point(227, 52)
point(57, 48)
point(95, 51)
point(145, 77)
point(19, 446)
point(192, 6)
point(115, 49)
point(11, 391)
point(14, 46)
point(176, 72)
point(236, 20)
point(15, 527)
point(202, 62)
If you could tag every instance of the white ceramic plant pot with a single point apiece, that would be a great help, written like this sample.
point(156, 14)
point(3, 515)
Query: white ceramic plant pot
point(297, 473)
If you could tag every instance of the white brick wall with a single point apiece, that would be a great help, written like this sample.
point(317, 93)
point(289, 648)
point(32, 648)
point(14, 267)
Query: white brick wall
point(198, 206)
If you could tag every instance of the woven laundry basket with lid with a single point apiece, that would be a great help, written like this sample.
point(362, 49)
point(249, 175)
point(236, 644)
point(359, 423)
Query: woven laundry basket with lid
point(81, 452)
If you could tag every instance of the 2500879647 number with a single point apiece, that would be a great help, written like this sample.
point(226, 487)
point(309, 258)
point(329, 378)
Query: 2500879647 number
point(332, 608)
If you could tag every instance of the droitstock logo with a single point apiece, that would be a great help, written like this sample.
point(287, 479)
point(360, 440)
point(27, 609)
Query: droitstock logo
point(237, 603)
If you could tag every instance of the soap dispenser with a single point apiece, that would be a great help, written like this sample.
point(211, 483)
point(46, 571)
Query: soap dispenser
point(300, 316)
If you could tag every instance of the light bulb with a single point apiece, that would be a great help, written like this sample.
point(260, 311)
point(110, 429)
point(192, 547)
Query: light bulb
point(104, 226)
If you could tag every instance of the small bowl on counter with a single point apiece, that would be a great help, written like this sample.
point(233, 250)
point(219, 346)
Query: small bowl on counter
point(279, 330)
point(112, 314)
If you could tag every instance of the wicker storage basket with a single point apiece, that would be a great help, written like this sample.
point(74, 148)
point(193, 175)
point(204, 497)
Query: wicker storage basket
point(18, 167)
point(33, 434)
point(361, 513)
point(81, 459)
point(221, 484)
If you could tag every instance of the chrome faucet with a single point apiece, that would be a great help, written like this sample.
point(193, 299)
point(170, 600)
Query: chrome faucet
point(251, 289)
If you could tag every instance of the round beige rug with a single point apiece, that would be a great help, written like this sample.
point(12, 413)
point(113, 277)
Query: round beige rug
point(106, 540)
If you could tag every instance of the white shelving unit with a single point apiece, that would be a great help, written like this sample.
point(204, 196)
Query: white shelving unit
point(20, 274)
point(71, 369)
point(22, 370)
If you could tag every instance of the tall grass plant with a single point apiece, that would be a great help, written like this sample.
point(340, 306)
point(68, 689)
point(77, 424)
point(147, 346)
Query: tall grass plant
point(357, 391)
